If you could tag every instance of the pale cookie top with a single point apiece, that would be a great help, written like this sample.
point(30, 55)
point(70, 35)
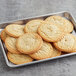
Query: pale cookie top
point(56, 52)
point(10, 43)
point(66, 43)
point(19, 58)
point(50, 32)
point(3, 35)
point(32, 25)
point(29, 43)
point(14, 30)
point(44, 52)
point(62, 22)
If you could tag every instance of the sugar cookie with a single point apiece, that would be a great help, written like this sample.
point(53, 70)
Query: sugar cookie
point(44, 52)
point(10, 44)
point(62, 22)
point(50, 32)
point(66, 43)
point(32, 25)
point(19, 58)
point(29, 43)
point(14, 30)
point(3, 35)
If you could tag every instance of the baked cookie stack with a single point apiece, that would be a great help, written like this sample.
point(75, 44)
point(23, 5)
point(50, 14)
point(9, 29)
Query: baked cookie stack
point(38, 39)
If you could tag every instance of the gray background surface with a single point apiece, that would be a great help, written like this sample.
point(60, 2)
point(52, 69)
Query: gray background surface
point(14, 9)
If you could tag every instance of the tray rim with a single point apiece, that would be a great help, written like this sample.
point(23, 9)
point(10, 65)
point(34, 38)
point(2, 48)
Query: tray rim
point(30, 17)
point(14, 66)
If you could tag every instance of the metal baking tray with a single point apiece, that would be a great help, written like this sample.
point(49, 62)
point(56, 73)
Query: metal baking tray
point(66, 15)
